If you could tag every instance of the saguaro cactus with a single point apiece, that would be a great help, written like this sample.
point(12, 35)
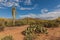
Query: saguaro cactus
point(14, 14)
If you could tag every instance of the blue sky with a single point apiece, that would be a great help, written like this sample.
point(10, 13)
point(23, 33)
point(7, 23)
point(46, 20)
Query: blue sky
point(44, 9)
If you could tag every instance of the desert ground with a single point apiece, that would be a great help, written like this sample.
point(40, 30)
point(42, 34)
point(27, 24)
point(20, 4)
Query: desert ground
point(16, 32)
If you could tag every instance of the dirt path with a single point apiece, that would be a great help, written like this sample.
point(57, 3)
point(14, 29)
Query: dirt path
point(16, 32)
point(53, 34)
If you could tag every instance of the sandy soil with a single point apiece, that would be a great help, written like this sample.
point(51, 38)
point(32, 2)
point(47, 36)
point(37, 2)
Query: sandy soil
point(53, 34)
point(16, 32)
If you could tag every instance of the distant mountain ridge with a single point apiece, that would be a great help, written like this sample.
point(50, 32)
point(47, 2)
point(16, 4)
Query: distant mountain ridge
point(30, 18)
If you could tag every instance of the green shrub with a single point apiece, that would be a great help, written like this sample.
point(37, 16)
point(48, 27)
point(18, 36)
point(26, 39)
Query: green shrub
point(34, 29)
point(7, 38)
point(50, 24)
point(40, 29)
point(30, 37)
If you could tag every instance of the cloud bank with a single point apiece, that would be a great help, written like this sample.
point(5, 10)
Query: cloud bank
point(47, 16)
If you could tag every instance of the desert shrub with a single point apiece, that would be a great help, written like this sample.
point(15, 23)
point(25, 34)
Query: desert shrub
point(7, 38)
point(29, 34)
point(2, 28)
point(40, 29)
point(10, 24)
point(18, 23)
point(50, 24)
point(30, 37)
point(57, 21)
point(34, 29)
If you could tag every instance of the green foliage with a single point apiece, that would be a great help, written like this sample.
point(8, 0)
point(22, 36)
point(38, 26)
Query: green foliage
point(40, 29)
point(25, 21)
point(7, 38)
point(30, 37)
point(33, 30)
point(50, 24)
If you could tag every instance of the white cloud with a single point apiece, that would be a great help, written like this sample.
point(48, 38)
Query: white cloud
point(58, 6)
point(23, 8)
point(49, 16)
point(17, 4)
point(18, 0)
point(0, 0)
point(27, 2)
point(28, 15)
point(44, 10)
point(8, 4)
point(3, 1)
point(11, 0)
point(0, 7)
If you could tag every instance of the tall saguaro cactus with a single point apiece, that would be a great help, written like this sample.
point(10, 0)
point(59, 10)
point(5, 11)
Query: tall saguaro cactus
point(14, 14)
